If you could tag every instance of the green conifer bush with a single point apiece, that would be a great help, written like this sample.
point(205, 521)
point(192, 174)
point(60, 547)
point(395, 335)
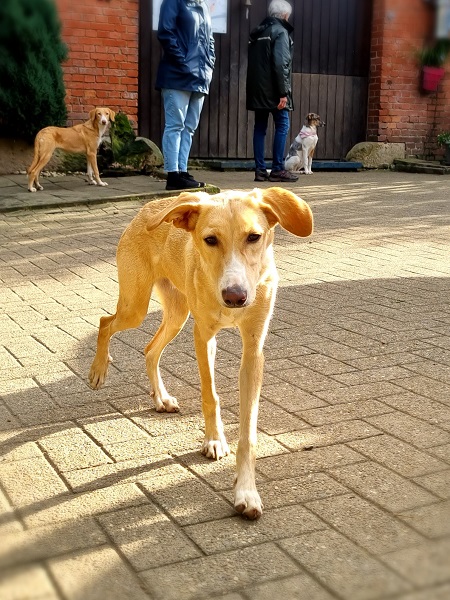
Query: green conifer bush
point(31, 79)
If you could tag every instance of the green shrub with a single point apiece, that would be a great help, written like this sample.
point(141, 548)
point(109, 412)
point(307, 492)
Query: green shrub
point(31, 52)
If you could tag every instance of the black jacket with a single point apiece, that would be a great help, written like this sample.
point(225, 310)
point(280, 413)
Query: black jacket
point(270, 52)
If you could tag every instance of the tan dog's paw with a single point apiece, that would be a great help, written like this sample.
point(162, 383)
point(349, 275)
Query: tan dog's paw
point(165, 404)
point(102, 183)
point(215, 449)
point(97, 374)
point(248, 503)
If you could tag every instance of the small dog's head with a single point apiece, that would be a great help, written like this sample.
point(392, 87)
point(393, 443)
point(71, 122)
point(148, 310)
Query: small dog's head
point(233, 233)
point(102, 115)
point(314, 120)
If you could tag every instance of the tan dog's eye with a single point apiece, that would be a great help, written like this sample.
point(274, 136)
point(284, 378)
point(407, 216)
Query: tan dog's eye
point(211, 240)
point(253, 237)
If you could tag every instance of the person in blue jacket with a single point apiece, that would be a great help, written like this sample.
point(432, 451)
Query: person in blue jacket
point(184, 75)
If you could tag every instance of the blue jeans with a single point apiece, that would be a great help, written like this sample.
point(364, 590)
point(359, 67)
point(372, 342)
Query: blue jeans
point(281, 122)
point(182, 112)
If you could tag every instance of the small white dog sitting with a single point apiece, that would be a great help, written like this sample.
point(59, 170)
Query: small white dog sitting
point(301, 152)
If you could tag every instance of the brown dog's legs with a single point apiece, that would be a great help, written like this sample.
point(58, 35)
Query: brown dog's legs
point(131, 311)
point(35, 171)
point(92, 169)
point(175, 314)
point(246, 497)
point(215, 444)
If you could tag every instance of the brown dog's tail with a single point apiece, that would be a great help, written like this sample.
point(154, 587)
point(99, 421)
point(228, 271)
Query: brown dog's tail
point(36, 156)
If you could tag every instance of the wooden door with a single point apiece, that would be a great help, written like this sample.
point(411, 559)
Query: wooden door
point(330, 77)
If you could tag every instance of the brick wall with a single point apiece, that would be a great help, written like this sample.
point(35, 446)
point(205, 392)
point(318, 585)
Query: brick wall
point(102, 65)
point(398, 110)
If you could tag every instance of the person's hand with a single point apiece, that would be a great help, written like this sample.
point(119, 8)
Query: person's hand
point(282, 104)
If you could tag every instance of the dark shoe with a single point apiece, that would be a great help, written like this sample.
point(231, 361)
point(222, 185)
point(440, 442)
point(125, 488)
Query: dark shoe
point(175, 181)
point(283, 176)
point(188, 176)
point(261, 175)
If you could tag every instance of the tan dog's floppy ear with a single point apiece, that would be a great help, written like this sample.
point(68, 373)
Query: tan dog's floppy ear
point(112, 115)
point(92, 114)
point(182, 212)
point(287, 209)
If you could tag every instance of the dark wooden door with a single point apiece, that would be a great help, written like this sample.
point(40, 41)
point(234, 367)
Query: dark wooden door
point(330, 77)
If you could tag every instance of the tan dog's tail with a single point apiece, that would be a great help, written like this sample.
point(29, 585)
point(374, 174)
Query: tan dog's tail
point(37, 154)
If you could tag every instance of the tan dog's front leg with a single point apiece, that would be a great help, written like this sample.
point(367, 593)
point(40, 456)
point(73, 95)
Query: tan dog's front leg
point(92, 170)
point(215, 444)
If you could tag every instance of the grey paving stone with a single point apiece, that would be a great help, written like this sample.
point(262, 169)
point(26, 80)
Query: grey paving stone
point(147, 537)
point(297, 587)
point(325, 435)
point(398, 456)
point(382, 486)
point(51, 540)
point(344, 412)
point(432, 521)
point(219, 536)
point(96, 571)
point(365, 524)
point(437, 483)
point(410, 429)
point(222, 573)
point(306, 462)
point(343, 567)
point(31, 582)
point(423, 565)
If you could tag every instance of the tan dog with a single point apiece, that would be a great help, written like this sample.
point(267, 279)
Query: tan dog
point(211, 256)
point(84, 138)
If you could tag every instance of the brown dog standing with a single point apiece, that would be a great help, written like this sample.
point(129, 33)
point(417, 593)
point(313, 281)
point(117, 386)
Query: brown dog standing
point(84, 138)
point(211, 256)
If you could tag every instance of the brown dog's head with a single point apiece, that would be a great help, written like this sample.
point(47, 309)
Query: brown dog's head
point(101, 116)
point(314, 120)
point(233, 234)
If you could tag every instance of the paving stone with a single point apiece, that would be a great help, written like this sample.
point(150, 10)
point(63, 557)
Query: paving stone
point(96, 571)
point(364, 391)
point(410, 429)
point(31, 482)
point(76, 451)
point(432, 521)
point(223, 573)
point(127, 471)
point(437, 483)
point(327, 434)
point(343, 567)
point(344, 412)
point(440, 592)
point(147, 537)
point(83, 505)
point(420, 407)
point(426, 564)
point(365, 524)
point(383, 486)
point(306, 462)
point(430, 388)
point(51, 540)
point(285, 492)
point(8, 519)
point(187, 499)
point(219, 536)
point(297, 587)
point(30, 583)
point(290, 397)
point(398, 456)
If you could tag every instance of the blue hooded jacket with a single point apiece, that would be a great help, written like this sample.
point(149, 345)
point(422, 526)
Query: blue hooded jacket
point(185, 34)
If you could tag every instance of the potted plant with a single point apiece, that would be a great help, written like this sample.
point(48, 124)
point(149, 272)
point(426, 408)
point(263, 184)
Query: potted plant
point(443, 139)
point(432, 59)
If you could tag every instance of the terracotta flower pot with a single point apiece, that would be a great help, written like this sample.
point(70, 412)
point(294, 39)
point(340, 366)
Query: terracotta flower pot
point(431, 77)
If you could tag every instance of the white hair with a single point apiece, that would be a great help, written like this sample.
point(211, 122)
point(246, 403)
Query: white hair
point(279, 9)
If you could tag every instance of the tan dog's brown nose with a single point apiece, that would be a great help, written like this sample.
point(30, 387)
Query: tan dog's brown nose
point(234, 297)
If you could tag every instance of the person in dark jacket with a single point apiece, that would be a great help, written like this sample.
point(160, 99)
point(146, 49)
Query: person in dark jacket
point(184, 75)
point(269, 88)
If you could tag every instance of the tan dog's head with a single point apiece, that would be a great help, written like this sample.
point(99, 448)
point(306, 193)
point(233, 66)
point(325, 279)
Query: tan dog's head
point(314, 120)
point(233, 234)
point(101, 116)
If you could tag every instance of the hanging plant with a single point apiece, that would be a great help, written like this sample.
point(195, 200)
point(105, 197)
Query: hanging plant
point(432, 59)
